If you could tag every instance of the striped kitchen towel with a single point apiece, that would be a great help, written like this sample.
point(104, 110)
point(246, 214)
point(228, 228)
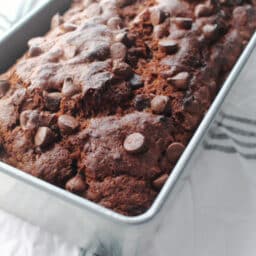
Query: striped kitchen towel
point(234, 130)
point(233, 134)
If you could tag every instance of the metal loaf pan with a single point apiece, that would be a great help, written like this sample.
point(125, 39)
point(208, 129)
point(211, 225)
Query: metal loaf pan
point(77, 220)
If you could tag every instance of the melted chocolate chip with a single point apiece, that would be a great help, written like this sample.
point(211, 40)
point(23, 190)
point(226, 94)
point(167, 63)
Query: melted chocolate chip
point(174, 151)
point(44, 137)
point(135, 143)
point(160, 181)
point(67, 124)
point(180, 81)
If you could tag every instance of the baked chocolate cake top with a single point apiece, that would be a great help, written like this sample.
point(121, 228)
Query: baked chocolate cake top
point(105, 103)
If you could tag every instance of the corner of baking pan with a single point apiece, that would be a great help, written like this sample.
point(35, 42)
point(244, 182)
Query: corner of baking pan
point(176, 173)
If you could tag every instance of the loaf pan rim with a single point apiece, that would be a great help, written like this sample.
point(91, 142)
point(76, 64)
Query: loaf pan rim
point(159, 201)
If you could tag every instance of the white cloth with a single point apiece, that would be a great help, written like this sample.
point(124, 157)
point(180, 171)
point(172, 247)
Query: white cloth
point(215, 212)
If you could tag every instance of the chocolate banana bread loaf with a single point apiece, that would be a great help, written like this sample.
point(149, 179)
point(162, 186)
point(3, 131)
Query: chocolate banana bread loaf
point(106, 102)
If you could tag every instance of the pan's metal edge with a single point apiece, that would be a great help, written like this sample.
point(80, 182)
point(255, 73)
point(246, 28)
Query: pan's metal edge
point(177, 171)
point(22, 21)
point(204, 125)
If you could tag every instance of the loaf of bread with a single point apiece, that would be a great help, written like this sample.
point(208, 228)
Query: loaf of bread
point(106, 102)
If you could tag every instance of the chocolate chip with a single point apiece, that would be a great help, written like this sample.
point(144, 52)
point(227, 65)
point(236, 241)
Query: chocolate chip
point(141, 102)
point(118, 51)
point(174, 151)
point(182, 22)
point(160, 181)
point(191, 105)
point(135, 143)
point(180, 81)
point(35, 51)
point(29, 119)
point(67, 124)
point(136, 82)
point(4, 87)
point(68, 27)
point(157, 16)
point(44, 137)
point(52, 101)
point(100, 51)
point(57, 20)
point(202, 10)
point(211, 32)
point(69, 87)
point(76, 184)
point(115, 23)
point(159, 104)
point(122, 69)
point(168, 46)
